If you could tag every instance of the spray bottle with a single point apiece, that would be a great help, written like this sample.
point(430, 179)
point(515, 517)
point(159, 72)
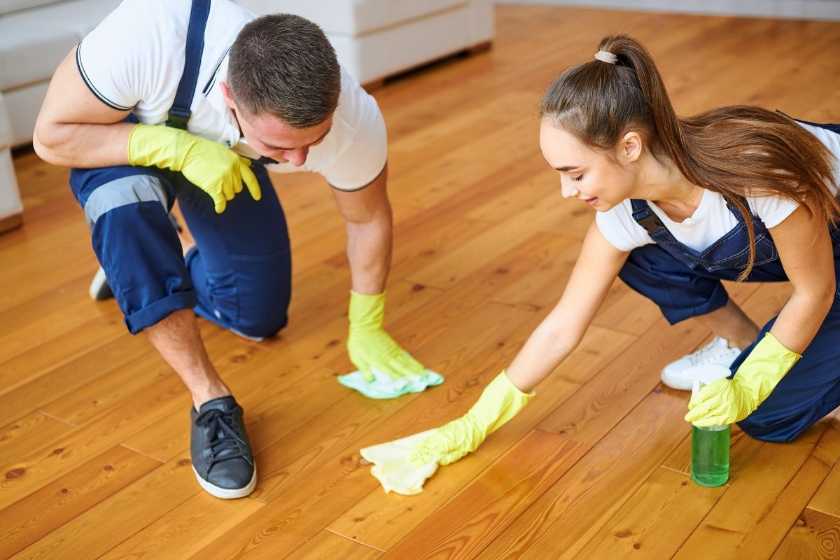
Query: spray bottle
point(709, 452)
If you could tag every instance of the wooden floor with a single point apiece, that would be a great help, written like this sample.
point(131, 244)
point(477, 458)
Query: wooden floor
point(94, 426)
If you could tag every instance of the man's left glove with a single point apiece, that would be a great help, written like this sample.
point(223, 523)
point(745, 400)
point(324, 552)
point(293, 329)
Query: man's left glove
point(210, 166)
point(726, 401)
point(386, 371)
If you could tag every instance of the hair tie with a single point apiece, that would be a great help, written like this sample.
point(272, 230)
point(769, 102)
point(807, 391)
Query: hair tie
point(606, 56)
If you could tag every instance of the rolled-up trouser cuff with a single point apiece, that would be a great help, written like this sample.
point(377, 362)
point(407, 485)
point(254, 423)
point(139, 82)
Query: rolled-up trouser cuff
point(159, 310)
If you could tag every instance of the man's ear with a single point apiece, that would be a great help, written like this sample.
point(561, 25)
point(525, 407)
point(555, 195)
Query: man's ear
point(630, 147)
point(228, 95)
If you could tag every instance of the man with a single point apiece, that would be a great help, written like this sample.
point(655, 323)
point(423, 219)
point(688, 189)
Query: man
point(189, 100)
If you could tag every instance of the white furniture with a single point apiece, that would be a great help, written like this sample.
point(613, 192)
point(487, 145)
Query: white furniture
point(378, 38)
point(10, 206)
point(35, 35)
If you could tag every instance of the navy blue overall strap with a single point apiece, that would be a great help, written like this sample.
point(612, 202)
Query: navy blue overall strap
point(828, 126)
point(646, 218)
point(179, 113)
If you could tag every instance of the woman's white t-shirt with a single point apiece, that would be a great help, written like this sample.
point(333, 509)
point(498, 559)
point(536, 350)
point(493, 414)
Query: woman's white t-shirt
point(712, 219)
point(134, 58)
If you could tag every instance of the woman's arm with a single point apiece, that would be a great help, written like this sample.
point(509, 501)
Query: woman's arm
point(806, 253)
point(504, 397)
point(562, 330)
point(805, 250)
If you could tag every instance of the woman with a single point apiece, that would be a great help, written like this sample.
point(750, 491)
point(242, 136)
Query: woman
point(736, 193)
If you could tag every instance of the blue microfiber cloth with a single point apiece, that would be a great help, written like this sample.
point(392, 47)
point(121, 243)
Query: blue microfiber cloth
point(384, 386)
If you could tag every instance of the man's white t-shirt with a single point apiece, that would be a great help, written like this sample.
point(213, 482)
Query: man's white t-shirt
point(712, 219)
point(133, 60)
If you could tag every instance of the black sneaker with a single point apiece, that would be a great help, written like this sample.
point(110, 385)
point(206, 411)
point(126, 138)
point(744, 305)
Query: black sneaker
point(221, 454)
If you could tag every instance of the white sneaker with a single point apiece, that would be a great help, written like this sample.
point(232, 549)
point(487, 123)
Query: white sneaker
point(99, 289)
point(705, 365)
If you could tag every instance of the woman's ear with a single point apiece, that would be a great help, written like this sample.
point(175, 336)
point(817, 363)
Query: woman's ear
point(629, 147)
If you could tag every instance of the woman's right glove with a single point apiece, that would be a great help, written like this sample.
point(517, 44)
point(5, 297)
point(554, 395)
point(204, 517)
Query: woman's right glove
point(726, 401)
point(212, 167)
point(404, 465)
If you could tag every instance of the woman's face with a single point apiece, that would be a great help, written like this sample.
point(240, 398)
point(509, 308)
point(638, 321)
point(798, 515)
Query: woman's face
point(586, 173)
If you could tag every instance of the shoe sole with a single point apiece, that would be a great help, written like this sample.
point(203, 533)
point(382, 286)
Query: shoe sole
point(684, 386)
point(227, 493)
point(99, 289)
point(686, 383)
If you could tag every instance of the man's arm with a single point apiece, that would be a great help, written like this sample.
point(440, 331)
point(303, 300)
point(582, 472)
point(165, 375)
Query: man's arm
point(367, 213)
point(75, 128)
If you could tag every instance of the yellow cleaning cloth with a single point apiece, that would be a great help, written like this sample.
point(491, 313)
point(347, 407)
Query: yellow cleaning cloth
point(392, 468)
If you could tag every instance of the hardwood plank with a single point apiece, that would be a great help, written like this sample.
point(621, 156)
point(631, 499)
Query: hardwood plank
point(816, 536)
point(759, 486)
point(479, 512)
point(185, 529)
point(117, 518)
point(53, 353)
point(50, 377)
point(648, 526)
point(44, 511)
point(330, 545)
point(16, 438)
point(53, 459)
point(563, 518)
point(655, 520)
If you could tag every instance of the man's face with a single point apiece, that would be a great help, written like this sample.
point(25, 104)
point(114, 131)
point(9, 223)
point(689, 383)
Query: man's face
point(271, 137)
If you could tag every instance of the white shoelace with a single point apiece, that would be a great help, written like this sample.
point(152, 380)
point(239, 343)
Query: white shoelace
point(716, 352)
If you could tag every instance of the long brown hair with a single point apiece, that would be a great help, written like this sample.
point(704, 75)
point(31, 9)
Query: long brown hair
point(737, 151)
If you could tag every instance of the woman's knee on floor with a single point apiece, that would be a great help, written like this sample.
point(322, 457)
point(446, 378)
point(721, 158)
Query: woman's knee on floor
point(779, 430)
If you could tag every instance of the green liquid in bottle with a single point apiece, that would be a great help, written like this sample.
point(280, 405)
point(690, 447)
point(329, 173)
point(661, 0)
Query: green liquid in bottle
point(710, 455)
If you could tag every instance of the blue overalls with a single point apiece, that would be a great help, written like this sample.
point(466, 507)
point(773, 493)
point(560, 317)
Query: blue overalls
point(239, 273)
point(686, 283)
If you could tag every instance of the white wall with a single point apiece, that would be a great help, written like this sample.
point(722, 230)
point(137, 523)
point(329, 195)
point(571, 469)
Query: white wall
point(801, 9)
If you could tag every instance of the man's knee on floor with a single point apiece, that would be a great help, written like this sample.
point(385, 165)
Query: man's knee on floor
point(263, 321)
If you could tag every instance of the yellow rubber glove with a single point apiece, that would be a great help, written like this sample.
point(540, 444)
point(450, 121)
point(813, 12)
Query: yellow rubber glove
point(726, 401)
point(212, 167)
point(500, 401)
point(370, 347)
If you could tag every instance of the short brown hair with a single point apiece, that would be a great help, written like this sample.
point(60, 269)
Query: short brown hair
point(284, 65)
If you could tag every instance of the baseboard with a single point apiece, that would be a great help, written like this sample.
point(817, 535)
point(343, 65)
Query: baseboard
point(479, 48)
point(11, 222)
point(792, 9)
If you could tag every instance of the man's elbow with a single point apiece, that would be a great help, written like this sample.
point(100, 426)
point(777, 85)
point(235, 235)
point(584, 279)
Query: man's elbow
point(47, 145)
